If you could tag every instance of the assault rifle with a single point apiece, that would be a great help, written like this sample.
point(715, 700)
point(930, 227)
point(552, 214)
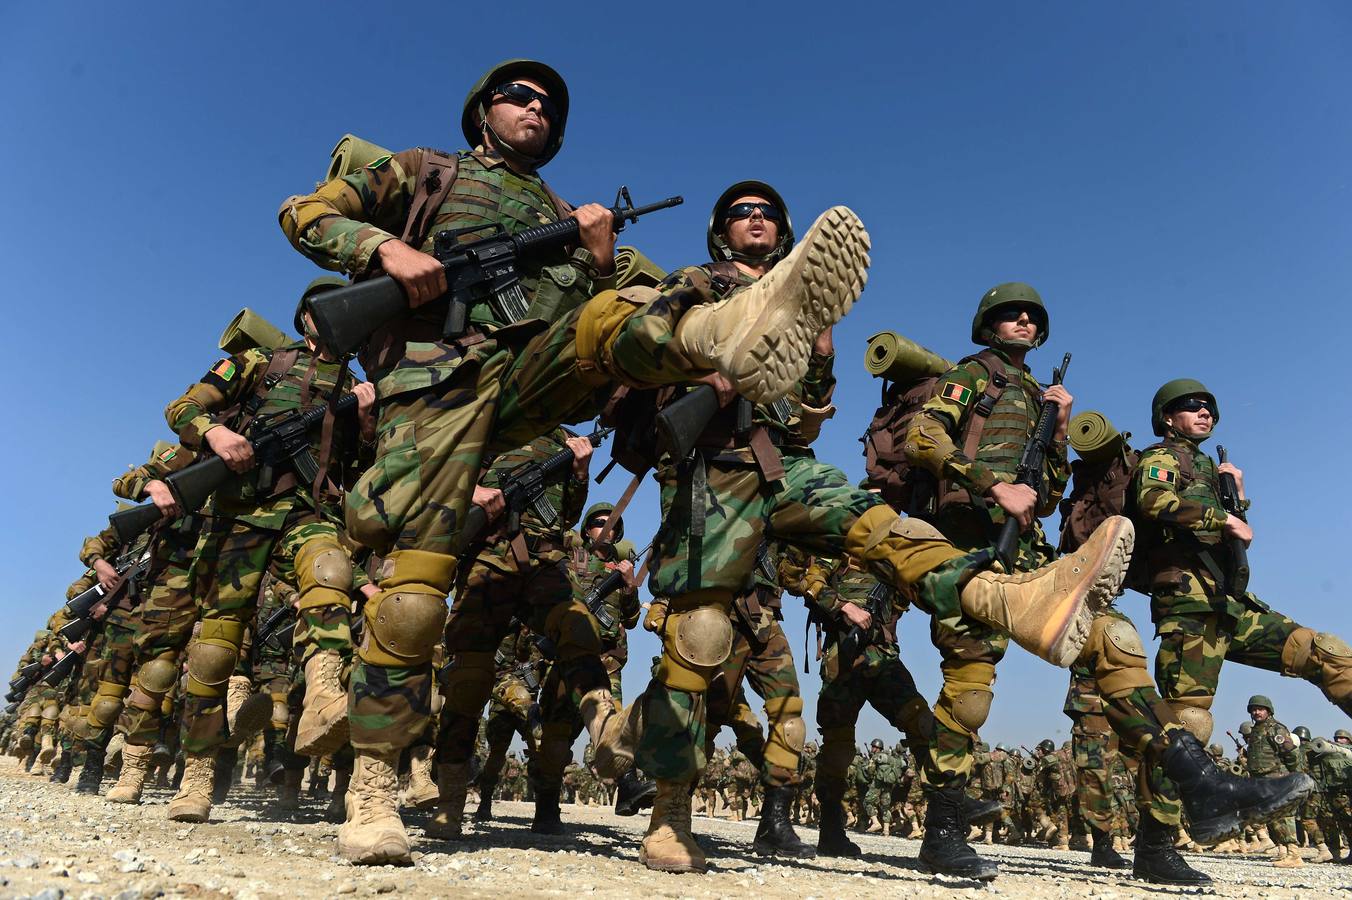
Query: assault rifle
point(279, 439)
point(524, 486)
point(129, 567)
point(487, 269)
point(596, 597)
point(1030, 468)
point(525, 670)
point(857, 640)
point(1239, 554)
point(1239, 748)
point(271, 629)
point(51, 674)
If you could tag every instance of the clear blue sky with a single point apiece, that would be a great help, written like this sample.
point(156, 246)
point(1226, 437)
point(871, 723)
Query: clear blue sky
point(1174, 179)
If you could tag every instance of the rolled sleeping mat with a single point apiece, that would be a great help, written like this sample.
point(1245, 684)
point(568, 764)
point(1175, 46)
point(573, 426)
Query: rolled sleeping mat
point(248, 330)
point(633, 268)
point(1093, 437)
point(896, 358)
point(352, 153)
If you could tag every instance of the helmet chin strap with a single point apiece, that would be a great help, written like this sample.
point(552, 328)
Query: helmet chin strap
point(510, 153)
point(773, 256)
point(1011, 344)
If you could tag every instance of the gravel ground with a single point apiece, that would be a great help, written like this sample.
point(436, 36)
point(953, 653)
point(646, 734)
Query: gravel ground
point(55, 844)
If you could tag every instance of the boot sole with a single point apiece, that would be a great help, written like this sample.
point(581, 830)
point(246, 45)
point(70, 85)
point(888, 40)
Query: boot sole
point(824, 277)
point(253, 716)
point(324, 739)
point(984, 876)
point(195, 817)
point(1068, 630)
point(378, 857)
point(1223, 828)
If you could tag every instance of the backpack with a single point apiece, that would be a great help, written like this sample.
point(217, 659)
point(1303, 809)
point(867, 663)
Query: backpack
point(903, 486)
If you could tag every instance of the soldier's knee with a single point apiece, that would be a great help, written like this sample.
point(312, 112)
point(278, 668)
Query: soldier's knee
point(574, 630)
point(837, 751)
point(1115, 652)
point(323, 573)
point(153, 680)
point(788, 731)
point(600, 322)
point(1321, 657)
point(402, 627)
point(468, 683)
point(965, 700)
point(1194, 714)
point(213, 655)
point(694, 644)
point(107, 704)
point(281, 715)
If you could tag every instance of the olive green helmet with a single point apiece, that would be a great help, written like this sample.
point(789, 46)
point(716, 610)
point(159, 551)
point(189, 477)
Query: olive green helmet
point(602, 511)
point(1046, 745)
point(1258, 700)
point(1008, 294)
point(1216, 750)
point(1177, 390)
point(318, 286)
point(1245, 729)
point(875, 744)
point(1002, 747)
point(719, 251)
point(1301, 732)
point(472, 115)
point(1343, 734)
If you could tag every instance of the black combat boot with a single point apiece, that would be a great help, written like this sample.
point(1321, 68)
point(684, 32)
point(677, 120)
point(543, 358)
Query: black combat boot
point(223, 776)
point(61, 770)
point(485, 811)
point(1219, 804)
point(32, 758)
point(274, 756)
point(91, 773)
point(944, 848)
point(981, 812)
point(775, 835)
point(547, 819)
point(633, 793)
point(1157, 860)
point(831, 837)
point(1103, 855)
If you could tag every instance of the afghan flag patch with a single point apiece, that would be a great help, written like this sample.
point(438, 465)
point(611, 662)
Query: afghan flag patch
point(1160, 474)
point(957, 393)
point(224, 370)
point(168, 454)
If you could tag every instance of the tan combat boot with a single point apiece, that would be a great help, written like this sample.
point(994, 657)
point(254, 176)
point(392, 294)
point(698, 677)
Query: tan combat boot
point(668, 845)
point(251, 717)
point(373, 834)
point(1290, 858)
point(1062, 839)
point(1049, 611)
point(323, 726)
point(192, 803)
point(874, 827)
point(988, 834)
point(887, 828)
point(422, 789)
point(760, 338)
point(288, 792)
point(1264, 841)
point(132, 778)
point(48, 751)
point(614, 732)
point(453, 788)
point(1325, 854)
point(236, 692)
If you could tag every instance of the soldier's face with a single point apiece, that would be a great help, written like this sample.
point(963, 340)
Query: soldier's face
point(753, 235)
point(1022, 328)
point(1258, 713)
point(524, 127)
point(1191, 423)
point(1342, 740)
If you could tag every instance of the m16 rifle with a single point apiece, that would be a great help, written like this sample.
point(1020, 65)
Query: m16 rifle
point(857, 640)
point(486, 269)
point(596, 597)
point(271, 631)
point(129, 567)
point(1239, 553)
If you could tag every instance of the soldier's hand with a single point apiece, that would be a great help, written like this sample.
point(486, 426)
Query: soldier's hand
point(596, 231)
point(163, 498)
point(420, 274)
point(856, 616)
point(1237, 528)
point(106, 574)
point(98, 610)
point(367, 590)
point(234, 448)
point(490, 499)
point(726, 392)
point(1058, 394)
point(1017, 500)
point(582, 453)
point(656, 616)
point(366, 404)
point(824, 345)
point(626, 568)
point(77, 647)
point(1231, 469)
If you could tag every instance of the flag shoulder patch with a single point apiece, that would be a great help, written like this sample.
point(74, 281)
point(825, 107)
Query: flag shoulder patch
point(957, 393)
point(1159, 473)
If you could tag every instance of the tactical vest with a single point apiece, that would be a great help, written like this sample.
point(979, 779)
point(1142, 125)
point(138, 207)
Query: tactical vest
point(1000, 440)
point(1264, 754)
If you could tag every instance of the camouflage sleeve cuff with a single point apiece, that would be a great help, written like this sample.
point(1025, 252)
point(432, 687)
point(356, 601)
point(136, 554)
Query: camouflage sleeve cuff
point(819, 384)
point(131, 485)
point(343, 244)
point(978, 478)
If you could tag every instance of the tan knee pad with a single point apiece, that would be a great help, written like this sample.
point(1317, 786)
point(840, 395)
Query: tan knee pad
point(1118, 656)
point(965, 699)
point(323, 574)
point(574, 630)
point(281, 715)
point(50, 712)
point(402, 627)
point(514, 695)
point(695, 643)
point(788, 732)
point(1321, 657)
point(469, 683)
point(1193, 713)
point(837, 752)
point(107, 704)
point(213, 655)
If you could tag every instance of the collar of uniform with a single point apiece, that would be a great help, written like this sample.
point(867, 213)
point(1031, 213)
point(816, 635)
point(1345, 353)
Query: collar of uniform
point(489, 159)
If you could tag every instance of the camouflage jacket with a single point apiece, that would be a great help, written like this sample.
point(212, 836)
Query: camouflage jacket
point(541, 541)
point(1271, 750)
point(103, 545)
point(590, 564)
point(842, 582)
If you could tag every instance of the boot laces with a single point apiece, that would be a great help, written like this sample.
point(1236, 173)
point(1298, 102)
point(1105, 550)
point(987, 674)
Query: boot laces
point(374, 790)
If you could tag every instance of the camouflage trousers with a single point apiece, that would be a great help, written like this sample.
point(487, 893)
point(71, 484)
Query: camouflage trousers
point(499, 729)
point(878, 803)
point(760, 654)
point(226, 577)
point(97, 698)
point(1094, 753)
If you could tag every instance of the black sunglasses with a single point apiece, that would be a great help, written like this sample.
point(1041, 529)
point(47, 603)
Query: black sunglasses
point(1013, 313)
point(1192, 405)
point(743, 210)
point(523, 94)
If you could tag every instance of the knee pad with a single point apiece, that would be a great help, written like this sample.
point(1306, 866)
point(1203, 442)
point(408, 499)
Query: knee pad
point(511, 693)
point(281, 715)
point(50, 712)
point(1193, 713)
point(965, 699)
point(694, 644)
point(107, 704)
point(600, 321)
point(1321, 657)
point(323, 574)
point(212, 657)
point(469, 683)
point(1118, 656)
point(157, 676)
point(402, 627)
point(574, 630)
point(837, 752)
point(788, 732)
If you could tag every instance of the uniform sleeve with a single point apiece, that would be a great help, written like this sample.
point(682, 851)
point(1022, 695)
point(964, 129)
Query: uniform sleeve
point(1156, 493)
point(344, 221)
point(225, 384)
point(101, 546)
point(931, 440)
point(1055, 475)
point(131, 485)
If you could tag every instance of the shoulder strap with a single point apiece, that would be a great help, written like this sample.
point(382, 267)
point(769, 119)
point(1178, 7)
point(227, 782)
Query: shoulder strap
point(435, 177)
point(280, 363)
point(995, 388)
point(724, 274)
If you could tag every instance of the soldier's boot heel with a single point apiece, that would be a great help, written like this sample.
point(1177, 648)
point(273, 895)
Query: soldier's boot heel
point(831, 837)
point(614, 732)
point(668, 845)
point(373, 834)
point(547, 819)
point(774, 834)
point(1325, 854)
point(447, 820)
point(981, 811)
point(1291, 859)
point(485, 811)
point(323, 726)
point(760, 338)
point(422, 786)
point(633, 794)
point(1103, 854)
point(1220, 804)
point(192, 803)
point(91, 773)
point(1156, 859)
point(944, 848)
point(131, 780)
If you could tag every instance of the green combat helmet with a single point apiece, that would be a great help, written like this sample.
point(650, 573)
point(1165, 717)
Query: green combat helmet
point(1259, 701)
point(1245, 729)
point(1177, 390)
point(318, 286)
point(875, 744)
point(719, 251)
point(1216, 751)
point(597, 513)
point(472, 115)
point(1009, 294)
point(1301, 732)
point(1342, 734)
point(1046, 746)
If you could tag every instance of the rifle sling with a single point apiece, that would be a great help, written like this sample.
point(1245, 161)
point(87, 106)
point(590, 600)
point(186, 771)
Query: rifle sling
point(620, 505)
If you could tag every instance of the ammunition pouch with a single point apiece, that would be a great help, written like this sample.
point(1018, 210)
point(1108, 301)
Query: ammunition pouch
point(212, 657)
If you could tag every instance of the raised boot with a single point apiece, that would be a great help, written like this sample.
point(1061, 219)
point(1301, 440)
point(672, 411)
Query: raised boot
point(668, 845)
point(485, 811)
point(336, 811)
point(944, 848)
point(614, 732)
point(253, 716)
point(775, 835)
point(422, 789)
point(1050, 610)
point(223, 776)
point(1291, 859)
point(288, 792)
point(633, 794)
point(1156, 859)
point(323, 726)
point(373, 834)
point(1103, 854)
point(131, 780)
point(192, 803)
point(547, 819)
point(760, 338)
point(1219, 804)
point(831, 837)
point(91, 773)
point(453, 784)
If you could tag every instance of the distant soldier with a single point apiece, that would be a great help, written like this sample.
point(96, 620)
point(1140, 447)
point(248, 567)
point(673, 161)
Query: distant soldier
point(1272, 753)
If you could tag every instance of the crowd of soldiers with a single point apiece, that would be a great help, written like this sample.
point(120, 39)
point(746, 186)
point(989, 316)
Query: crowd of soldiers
point(376, 564)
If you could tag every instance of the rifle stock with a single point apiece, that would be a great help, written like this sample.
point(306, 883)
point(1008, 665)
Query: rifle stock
point(1239, 554)
point(1030, 469)
point(680, 423)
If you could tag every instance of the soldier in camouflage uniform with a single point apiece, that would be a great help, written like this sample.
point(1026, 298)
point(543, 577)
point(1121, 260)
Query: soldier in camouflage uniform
point(266, 516)
point(881, 773)
point(519, 667)
point(1312, 812)
point(1095, 749)
point(806, 809)
point(1331, 767)
point(1271, 754)
point(1056, 783)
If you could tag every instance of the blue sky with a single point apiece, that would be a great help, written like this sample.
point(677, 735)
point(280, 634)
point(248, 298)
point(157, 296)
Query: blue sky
point(1174, 179)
